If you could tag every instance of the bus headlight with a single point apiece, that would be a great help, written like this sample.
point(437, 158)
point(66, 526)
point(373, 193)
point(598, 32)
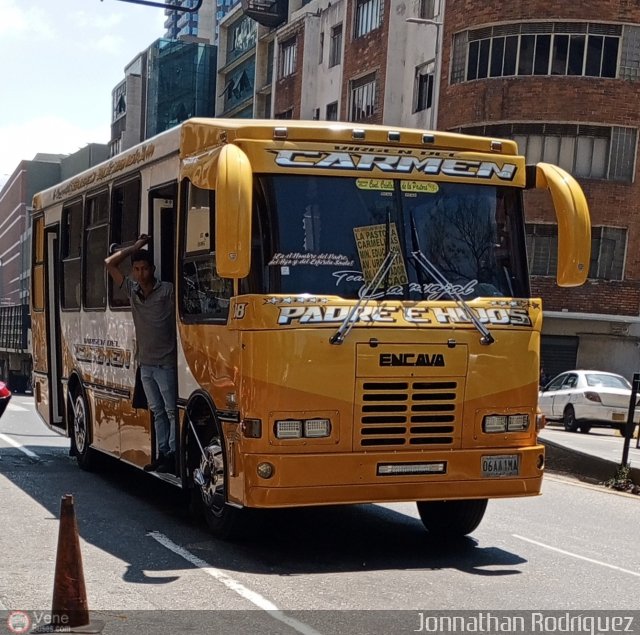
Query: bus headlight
point(317, 428)
point(307, 428)
point(289, 429)
point(505, 423)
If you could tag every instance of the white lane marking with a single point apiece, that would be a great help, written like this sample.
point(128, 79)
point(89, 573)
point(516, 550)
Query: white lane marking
point(15, 444)
point(16, 408)
point(579, 557)
point(234, 585)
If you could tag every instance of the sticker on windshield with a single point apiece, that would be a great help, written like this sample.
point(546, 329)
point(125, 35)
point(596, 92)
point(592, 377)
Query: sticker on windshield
point(426, 187)
point(371, 241)
point(293, 259)
point(384, 185)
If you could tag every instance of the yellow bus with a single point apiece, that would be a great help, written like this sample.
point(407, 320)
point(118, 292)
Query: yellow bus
point(353, 313)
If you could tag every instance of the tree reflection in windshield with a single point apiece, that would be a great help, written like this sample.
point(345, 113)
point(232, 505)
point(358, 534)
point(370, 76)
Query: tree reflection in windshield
point(326, 233)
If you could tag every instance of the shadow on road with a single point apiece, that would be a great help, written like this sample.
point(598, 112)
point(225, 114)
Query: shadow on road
point(117, 506)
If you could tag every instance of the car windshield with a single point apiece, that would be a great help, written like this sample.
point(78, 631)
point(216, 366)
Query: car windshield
point(330, 235)
point(607, 381)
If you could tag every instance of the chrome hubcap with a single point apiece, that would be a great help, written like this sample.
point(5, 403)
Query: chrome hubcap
point(209, 476)
point(79, 425)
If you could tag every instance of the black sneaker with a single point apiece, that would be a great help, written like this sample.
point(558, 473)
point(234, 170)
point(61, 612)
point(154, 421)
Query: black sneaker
point(168, 464)
point(154, 465)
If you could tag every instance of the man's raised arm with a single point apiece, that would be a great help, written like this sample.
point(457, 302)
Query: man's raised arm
point(112, 262)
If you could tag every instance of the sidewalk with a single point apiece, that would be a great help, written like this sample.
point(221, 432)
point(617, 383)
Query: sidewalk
point(593, 457)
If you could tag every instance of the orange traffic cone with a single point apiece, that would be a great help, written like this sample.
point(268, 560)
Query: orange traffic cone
point(69, 612)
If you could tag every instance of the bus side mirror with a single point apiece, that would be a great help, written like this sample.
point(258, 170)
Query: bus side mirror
point(234, 189)
point(574, 223)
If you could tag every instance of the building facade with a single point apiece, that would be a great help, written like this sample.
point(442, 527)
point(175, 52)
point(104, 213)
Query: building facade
point(28, 178)
point(562, 80)
point(200, 24)
point(165, 84)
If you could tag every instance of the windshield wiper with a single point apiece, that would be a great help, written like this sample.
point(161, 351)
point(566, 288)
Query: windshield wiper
point(433, 271)
point(368, 293)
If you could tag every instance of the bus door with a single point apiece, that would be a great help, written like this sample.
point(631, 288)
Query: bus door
point(52, 312)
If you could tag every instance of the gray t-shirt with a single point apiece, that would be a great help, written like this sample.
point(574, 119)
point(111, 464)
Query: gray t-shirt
point(154, 319)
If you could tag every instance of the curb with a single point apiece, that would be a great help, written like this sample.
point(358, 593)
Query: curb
point(585, 466)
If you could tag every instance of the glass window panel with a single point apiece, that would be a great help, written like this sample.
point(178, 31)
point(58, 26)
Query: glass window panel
point(95, 282)
point(72, 230)
point(98, 208)
point(525, 60)
point(567, 153)
point(594, 55)
point(610, 57)
point(534, 148)
point(483, 60)
point(510, 55)
point(560, 55)
point(472, 68)
point(71, 283)
point(521, 140)
point(576, 55)
point(600, 155)
point(551, 150)
point(497, 54)
point(584, 156)
point(126, 212)
point(541, 64)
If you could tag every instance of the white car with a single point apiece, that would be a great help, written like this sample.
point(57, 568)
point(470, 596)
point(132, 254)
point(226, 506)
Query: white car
point(581, 398)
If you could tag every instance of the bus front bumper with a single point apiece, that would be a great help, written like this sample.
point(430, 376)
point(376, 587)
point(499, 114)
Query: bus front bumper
point(329, 479)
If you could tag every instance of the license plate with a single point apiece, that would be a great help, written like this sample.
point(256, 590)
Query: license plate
point(501, 465)
point(618, 416)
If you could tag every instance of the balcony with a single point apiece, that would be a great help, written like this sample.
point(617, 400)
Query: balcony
point(269, 13)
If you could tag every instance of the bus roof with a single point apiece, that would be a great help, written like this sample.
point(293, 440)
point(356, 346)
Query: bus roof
point(197, 135)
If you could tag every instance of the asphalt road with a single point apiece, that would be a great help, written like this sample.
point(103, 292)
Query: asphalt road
point(575, 548)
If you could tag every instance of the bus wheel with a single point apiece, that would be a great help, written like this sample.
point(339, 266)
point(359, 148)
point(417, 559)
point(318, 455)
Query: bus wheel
point(451, 519)
point(81, 433)
point(209, 481)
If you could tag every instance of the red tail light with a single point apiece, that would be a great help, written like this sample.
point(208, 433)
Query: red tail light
point(592, 396)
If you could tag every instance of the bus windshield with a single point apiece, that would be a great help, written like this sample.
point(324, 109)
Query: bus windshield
point(332, 235)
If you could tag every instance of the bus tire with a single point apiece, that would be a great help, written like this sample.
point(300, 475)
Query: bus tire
point(209, 483)
point(81, 430)
point(453, 518)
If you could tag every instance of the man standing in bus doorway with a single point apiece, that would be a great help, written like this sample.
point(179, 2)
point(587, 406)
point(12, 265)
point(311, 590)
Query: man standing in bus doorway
point(153, 309)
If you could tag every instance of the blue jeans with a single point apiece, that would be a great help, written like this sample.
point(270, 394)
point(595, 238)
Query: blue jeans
point(159, 384)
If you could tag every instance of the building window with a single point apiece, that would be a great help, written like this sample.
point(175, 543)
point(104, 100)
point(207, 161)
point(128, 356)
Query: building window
point(590, 152)
point(367, 16)
point(363, 94)
point(423, 90)
point(538, 48)
point(428, 9)
point(321, 48)
point(332, 111)
point(288, 51)
point(285, 114)
point(335, 50)
point(119, 101)
point(608, 245)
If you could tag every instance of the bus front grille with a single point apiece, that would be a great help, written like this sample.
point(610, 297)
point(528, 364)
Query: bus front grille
point(407, 413)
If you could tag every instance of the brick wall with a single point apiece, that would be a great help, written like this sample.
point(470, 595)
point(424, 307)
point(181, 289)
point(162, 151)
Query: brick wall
point(288, 90)
point(364, 55)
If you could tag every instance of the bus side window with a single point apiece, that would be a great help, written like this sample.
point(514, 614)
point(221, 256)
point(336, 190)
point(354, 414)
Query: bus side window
point(70, 255)
point(125, 220)
point(96, 247)
point(203, 295)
